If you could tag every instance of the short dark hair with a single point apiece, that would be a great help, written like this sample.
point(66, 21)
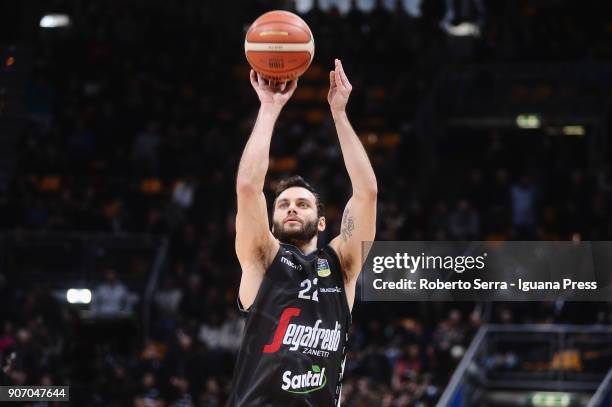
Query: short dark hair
point(297, 181)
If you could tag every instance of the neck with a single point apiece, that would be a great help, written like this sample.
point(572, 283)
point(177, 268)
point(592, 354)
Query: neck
point(306, 247)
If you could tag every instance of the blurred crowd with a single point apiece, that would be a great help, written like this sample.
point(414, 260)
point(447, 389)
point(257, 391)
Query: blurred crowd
point(137, 118)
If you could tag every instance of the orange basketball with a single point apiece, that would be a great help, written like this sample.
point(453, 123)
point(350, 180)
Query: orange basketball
point(279, 45)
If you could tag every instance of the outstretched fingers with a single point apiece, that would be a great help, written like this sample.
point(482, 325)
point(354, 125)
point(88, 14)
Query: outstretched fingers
point(263, 83)
point(341, 76)
point(253, 78)
point(338, 78)
point(332, 78)
point(289, 87)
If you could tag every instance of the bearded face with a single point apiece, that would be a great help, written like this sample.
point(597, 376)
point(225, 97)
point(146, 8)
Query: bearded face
point(295, 218)
point(295, 232)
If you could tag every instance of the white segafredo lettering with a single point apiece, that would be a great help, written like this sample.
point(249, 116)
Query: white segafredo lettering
point(312, 337)
point(308, 382)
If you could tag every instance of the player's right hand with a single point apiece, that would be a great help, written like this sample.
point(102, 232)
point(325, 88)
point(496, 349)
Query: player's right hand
point(271, 93)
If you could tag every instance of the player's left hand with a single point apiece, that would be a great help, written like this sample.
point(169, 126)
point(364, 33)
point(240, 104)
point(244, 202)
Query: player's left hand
point(339, 89)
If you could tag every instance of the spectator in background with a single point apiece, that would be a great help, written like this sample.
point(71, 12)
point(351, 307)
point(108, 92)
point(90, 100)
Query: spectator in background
point(168, 298)
point(408, 366)
point(40, 100)
point(227, 335)
point(211, 396)
point(524, 195)
point(183, 397)
point(167, 301)
point(191, 303)
point(183, 192)
point(145, 150)
point(460, 11)
point(182, 200)
point(464, 221)
point(111, 298)
point(450, 332)
point(81, 144)
point(438, 222)
point(149, 394)
point(7, 338)
point(26, 358)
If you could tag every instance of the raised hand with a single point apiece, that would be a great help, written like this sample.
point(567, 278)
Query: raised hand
point(272, 93)
point(339, 89)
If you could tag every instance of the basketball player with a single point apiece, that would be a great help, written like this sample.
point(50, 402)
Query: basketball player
point(298, 298)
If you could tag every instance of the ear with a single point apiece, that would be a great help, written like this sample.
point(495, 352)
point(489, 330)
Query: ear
point(321, 225)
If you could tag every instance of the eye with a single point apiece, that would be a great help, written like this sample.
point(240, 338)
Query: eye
point(303, 205)
point(282, 205)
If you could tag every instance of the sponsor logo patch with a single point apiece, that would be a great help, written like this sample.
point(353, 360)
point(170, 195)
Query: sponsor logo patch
point(330, 290)
point(291, 264)
point(308, 382)
point(323, 268)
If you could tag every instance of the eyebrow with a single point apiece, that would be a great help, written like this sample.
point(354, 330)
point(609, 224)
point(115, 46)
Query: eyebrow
point(282, 200)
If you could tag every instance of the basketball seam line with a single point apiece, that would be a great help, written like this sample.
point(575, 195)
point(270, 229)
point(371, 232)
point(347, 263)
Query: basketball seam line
point(282, 22)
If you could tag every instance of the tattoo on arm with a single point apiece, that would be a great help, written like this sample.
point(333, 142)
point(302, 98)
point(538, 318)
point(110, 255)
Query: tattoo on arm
point(348, 225)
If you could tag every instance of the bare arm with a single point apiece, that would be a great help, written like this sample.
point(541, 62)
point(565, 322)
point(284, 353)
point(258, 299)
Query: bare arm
point(255, 245)
point(252, 233)
point(359, 217)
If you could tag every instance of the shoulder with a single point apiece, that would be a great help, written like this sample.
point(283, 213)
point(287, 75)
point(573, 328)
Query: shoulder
point(335, 246)
point(260, 257)
point(332, 253)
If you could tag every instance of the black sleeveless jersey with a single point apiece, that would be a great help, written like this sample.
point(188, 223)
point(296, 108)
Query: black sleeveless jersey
point(295, 336)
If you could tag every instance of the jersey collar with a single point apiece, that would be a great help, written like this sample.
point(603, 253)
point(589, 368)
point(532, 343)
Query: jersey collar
point(308, 256)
